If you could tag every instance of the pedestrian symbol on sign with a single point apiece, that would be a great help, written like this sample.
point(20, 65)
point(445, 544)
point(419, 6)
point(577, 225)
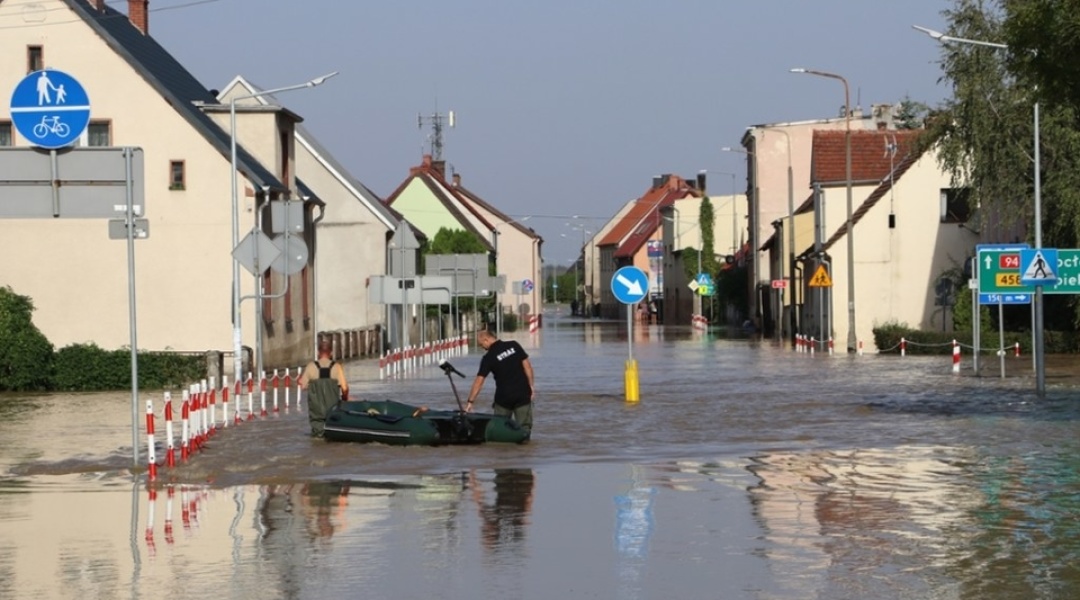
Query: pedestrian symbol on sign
point(821, 278)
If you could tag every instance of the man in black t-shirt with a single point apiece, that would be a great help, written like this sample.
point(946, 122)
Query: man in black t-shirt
point(513, 378)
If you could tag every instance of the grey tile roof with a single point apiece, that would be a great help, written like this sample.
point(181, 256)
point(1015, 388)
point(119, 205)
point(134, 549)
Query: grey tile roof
point(175, 84)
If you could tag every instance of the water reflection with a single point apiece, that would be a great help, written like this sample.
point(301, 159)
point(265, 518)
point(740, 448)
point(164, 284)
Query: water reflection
point(504, 520)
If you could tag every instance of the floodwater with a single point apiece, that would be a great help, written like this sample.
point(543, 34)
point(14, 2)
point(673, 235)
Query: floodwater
point(745, 471)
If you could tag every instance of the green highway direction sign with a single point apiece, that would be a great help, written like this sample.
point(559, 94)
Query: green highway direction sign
point(999, 273)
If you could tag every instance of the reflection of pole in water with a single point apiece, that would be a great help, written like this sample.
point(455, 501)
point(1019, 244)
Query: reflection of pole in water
point(633, 527)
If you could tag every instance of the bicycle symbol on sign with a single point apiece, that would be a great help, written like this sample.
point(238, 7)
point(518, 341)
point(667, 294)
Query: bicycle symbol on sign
point(51, 125)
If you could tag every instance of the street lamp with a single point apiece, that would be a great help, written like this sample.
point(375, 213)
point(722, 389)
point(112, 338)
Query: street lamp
point(1040, 367)
point(237, 337)
point(851, 339)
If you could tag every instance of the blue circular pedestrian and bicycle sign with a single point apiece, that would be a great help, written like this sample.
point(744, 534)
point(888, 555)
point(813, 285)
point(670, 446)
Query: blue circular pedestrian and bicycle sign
point(630, 285)
point(527, 285)
point(50, 109)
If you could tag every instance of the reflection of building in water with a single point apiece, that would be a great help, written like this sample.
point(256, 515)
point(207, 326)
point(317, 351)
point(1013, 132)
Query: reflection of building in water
point(505, 521)
point(827, 514)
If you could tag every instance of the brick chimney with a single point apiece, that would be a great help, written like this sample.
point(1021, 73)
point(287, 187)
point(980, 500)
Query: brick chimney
point(425, 166)
point(439, 167)
point(457, 180)
point(138, 13)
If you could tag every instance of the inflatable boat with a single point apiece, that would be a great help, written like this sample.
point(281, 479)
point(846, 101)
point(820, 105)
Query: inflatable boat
point(391, 422)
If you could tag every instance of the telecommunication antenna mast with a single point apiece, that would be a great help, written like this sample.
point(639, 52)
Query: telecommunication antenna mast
point(437, 120)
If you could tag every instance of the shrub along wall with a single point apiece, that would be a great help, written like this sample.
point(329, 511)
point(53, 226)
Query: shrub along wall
point(85, 367)
point(887, 339)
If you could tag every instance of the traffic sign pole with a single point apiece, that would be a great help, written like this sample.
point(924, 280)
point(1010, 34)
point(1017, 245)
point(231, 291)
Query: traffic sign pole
point(630, 285)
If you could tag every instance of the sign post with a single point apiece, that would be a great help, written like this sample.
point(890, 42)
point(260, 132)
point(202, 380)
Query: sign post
point(630, 284)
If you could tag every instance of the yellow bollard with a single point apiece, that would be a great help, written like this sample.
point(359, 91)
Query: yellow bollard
point(631, 377)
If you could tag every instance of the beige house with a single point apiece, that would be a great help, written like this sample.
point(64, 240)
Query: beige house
point(635, 239)
point(141, 96)
point(909, 230)
point(429, 202)
point(778, 160)
point(353, 223)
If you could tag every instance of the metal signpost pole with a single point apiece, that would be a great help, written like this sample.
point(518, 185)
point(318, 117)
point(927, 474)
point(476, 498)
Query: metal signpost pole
point(130, 220)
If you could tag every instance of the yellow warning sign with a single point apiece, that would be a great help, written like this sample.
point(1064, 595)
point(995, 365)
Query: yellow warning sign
point(821, 278)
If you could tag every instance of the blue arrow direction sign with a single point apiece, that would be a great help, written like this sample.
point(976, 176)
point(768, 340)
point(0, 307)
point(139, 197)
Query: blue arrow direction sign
point(1004, 299)
point(50, 108)
point(630, 284)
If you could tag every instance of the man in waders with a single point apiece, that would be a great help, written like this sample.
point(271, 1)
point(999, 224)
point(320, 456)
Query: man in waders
point(513, 379)
point(325, 383)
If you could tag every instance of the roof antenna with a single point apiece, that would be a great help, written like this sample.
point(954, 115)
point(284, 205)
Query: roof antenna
point(435, 138)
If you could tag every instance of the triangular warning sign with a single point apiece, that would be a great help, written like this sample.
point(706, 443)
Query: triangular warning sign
point(821, 278)
point(1039, 269)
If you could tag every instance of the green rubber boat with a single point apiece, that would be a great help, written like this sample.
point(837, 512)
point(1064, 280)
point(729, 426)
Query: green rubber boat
point(391, 422)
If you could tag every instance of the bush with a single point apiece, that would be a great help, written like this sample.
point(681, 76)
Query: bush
point(887, 338)
point(86, 367)
point(26, 356)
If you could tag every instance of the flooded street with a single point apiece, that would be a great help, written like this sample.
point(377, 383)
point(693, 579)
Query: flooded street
point(745, 471)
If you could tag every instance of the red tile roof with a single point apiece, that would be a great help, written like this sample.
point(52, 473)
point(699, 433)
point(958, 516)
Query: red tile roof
point(869, 154)
point(640, 223)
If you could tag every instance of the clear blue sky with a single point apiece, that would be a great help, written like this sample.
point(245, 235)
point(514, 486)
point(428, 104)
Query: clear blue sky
point(564, 107)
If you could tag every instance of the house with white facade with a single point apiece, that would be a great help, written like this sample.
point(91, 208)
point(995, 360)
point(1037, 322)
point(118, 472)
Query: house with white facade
point(140, 96)
point(908, 226)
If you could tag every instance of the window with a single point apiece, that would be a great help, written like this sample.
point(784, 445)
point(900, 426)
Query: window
point(176, 175)
point(35, 58)
point(99, 133)
point(955, 205)
point(5, 134)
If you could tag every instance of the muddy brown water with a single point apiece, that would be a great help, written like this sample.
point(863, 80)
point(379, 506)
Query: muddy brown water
point(745, 471)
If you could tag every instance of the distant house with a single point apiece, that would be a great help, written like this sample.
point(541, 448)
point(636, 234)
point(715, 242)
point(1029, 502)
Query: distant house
point(627, 241)
point(909, 230)
point(142, 96)
point(430, 203)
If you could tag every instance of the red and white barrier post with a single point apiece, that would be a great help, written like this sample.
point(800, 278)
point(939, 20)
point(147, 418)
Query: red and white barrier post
point(813, 344)
point(1016, 350)
point(288, 384)
point(276, 383)
point(185, 432)
point(212, 392)
point(224, 401)
point(236, 399)
point(251, 396)
point(151, 456)
point(262, 393)
point(955, 357)
point(299, 372)
point(170, 449)
point(204, 414)
point(903, 347)
point(830, 346)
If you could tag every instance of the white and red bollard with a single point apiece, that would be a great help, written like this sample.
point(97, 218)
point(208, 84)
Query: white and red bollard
point(251, 396)
point(170, 449)
point(955, 357)
point(224, 401)
point(185, 433)
point(813, 344)
point(830, 346)
point(262, 393)
point(288, 384)
point(860, 348)
point(299, 372)
point(1016, 350)
point(276, 382)
point(903, 347)
point(151, 456)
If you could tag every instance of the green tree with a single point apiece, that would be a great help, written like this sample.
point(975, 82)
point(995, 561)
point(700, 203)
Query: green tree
point(26, 356)
point(985, 130)
point(911, 114)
